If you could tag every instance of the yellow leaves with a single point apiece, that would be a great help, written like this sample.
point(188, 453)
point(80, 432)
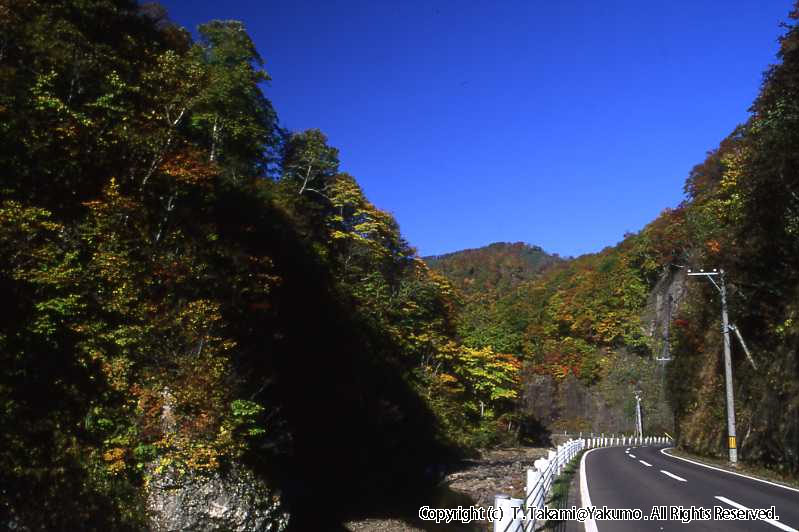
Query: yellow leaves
point(117, 372)
point(446, 378)
point(344, 192)
point(485, 375)
point(115, 460)
point(187, 453)
point(734, 167)
point(28, 235)
point(199, 315)
point(784, 328)
point(337, 234)
point(109, 216)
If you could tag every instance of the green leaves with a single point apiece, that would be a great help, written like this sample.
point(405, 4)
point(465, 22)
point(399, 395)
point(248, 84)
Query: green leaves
point(310, 164)
point(246, 416)
point(236, 122)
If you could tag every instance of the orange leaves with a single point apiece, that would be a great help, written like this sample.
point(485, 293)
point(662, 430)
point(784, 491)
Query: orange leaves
point(112, 202)
point(190, 167)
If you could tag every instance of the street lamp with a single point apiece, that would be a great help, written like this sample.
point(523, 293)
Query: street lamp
point(725, 329)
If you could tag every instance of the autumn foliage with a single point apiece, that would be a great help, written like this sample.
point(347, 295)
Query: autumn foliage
point(189, 285)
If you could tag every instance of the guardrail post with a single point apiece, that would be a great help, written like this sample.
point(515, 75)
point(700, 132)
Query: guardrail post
point(507, 522)
point(558, 460)
point(533, 479)
point(544, 467)
point(552, 458)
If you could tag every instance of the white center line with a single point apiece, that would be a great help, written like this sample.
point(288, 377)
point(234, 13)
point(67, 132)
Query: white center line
point(769, 521)
point(672, 475)
point(631, 455)
point(645, 463)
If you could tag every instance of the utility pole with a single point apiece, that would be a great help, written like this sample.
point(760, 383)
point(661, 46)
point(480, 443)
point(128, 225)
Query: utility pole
point(638, 425)
point(725, 329)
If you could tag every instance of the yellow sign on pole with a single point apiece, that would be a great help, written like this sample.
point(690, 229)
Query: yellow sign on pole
point(732, 442)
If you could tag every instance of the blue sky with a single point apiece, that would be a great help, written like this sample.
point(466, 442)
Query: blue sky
point(563, 124)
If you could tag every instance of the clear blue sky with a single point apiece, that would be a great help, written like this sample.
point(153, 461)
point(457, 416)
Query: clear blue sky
point(559, 123)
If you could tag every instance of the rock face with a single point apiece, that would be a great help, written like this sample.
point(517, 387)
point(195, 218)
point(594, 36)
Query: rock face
point(570, 405)
point(662, 304)
point(230, 500)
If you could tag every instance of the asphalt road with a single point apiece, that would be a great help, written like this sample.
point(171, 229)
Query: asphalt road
point(644, 478)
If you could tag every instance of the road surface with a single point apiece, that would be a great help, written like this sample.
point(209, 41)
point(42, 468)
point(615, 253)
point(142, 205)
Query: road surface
point(644, 478)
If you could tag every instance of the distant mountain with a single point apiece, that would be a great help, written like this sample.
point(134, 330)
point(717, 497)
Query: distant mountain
point(496, 267)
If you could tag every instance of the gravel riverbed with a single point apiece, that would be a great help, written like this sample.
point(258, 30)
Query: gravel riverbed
point(496, 471)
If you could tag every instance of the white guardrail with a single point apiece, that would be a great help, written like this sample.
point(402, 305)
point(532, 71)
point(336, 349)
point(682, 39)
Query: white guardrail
point(546, 470)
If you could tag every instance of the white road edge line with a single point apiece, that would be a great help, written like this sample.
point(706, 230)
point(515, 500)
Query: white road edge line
point(769, 521)
point(645, 463)
point(585, 498)
point(725, 471)
point(672, 475)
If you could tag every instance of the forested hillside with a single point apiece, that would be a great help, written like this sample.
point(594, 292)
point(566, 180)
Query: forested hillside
point(589, 330)
point(484, 277)
point(188, 285)
point(496, 268)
